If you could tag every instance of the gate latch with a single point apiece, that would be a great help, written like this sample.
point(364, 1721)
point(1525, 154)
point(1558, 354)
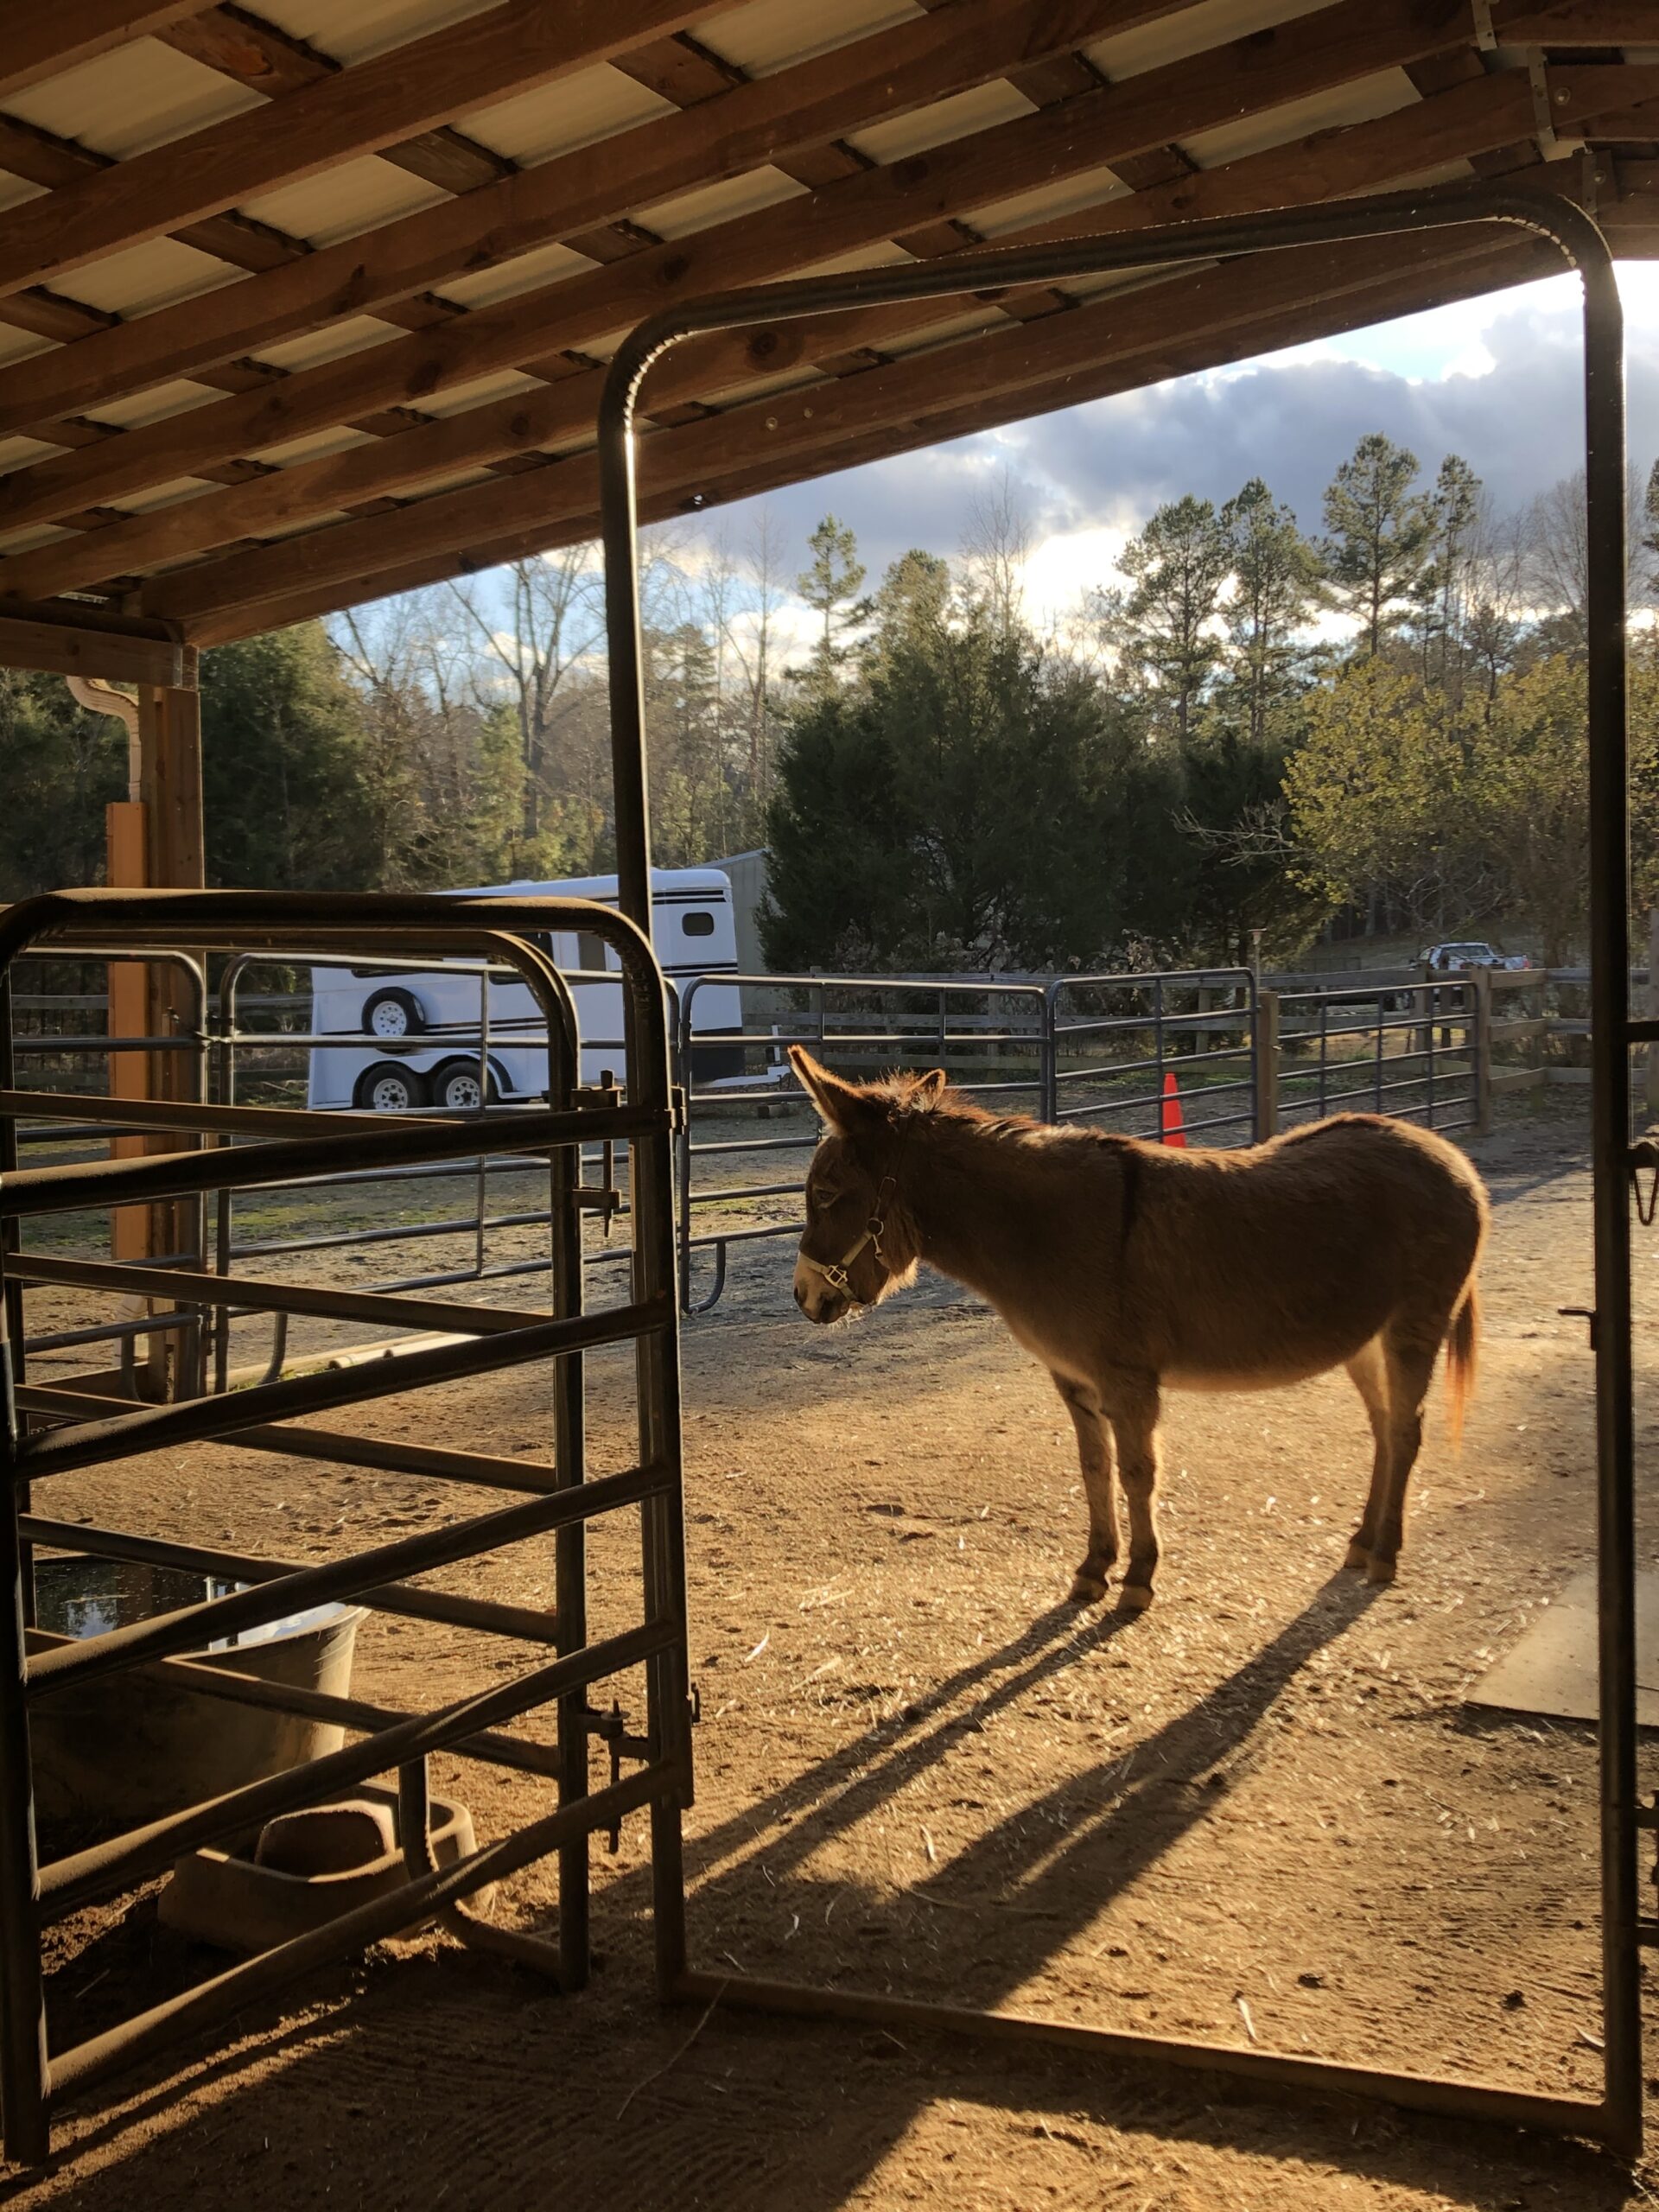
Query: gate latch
point(1644, 1152)
point(1585, 1313)
point(611, 1730)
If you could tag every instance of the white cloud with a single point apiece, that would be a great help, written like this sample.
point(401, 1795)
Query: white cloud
point(1497, 379)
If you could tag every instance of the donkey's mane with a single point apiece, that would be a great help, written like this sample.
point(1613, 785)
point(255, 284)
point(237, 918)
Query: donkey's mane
point(956, 1111)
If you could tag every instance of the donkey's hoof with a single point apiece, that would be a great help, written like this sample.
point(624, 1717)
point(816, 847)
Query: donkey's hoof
point(1380, 1570)
point(1086, 1589)
point(1134, 1597)
point(1358, 1557)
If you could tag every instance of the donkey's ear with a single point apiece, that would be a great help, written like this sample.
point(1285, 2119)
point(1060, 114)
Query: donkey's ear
point(843, 1105)
point(928, 1089)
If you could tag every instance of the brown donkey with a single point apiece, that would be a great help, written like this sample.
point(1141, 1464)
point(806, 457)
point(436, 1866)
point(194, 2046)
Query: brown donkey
point(1129, 1269)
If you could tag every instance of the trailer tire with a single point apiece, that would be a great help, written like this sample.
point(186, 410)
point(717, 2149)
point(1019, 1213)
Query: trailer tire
point(388, 1088)
point(392, 1014)
point(455, 1086)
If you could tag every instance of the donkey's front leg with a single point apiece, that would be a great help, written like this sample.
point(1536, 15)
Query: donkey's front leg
point(1133, 1408)
point(1097, 1459)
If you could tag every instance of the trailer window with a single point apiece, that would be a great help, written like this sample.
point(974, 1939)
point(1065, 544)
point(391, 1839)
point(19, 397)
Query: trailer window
point(590, 952)
point(697, 925)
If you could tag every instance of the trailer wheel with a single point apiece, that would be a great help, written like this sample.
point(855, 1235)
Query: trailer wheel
point(391, 1014)
point(455, 1086)
point(389, 1089)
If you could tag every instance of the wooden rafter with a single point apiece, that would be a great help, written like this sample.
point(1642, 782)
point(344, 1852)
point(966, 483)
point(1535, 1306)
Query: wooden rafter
point(744, 125)
point(41, 41)
point(996, 366)
point(1362, 156)
point(516, 44)
point(249, 52)
point(1191, 350)
point(1335, 45)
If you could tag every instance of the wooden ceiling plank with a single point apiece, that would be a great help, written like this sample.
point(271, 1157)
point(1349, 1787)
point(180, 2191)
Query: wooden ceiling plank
point(41, 41)
point(1361, 157)
point(860, 212)
point(1574, 22)
point(517, 45)
point(1000, 362)
point(890, 73)
point(566, 518)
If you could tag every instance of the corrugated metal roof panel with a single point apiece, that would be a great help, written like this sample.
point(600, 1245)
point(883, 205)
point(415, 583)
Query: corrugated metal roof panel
point(1091, 188)
point(139, 96)
point(352, 30)
point(555, 119)
point(142, 277)
point(719, 203)
point(1209, 22)
point(770, 34)
point(1252, 134)
point(981, 108)
point(329, 344)
point(549, 264)
point(155, 405)
point(461, 399)
point(338, 202)
point(317, 447)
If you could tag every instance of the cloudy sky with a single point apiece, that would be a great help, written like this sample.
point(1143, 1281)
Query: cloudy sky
point(1495, 380)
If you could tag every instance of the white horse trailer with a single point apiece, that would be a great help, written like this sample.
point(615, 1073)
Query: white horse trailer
point(413, 1037)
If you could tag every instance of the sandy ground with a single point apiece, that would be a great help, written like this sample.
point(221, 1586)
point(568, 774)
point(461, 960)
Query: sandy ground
point(1261, 1814)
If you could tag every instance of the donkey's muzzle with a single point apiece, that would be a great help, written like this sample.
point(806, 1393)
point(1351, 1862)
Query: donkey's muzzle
point(818, 1297)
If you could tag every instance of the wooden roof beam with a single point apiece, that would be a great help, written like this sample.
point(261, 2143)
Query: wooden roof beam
point(1338, 44)
point(41, 41)
point(1138, 324)
point(395, 96)
point(58, 644)
point(889, 74)
point(1388, 295)
point(1363, 156)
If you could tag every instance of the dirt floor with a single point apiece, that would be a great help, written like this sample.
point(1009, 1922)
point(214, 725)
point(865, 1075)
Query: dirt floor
point(1261, 1814)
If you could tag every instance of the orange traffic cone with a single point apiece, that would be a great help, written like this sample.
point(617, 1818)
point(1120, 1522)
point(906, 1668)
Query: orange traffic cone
point(1173, 1129)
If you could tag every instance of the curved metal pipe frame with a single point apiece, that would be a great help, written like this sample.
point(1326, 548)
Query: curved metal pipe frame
point(1616, 2116)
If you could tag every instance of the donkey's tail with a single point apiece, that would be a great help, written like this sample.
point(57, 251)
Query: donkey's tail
point(1462, 1344)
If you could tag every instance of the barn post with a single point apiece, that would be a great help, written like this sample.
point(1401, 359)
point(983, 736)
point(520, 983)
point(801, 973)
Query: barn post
point(174, 859)
point(1264, 1052)
point(1480, 1044)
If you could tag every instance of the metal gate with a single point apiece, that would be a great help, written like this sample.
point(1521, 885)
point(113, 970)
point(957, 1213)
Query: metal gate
point(212, 1147)
point(1616, 2116)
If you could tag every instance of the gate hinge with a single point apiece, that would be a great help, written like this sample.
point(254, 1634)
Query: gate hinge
point(679, 1112)
point(1546, 106)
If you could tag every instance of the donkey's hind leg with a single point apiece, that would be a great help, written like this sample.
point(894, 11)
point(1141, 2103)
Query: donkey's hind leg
point(1370, 1375)
point(1098, 1460)
point(1410, 1366)
point(1135, 1417)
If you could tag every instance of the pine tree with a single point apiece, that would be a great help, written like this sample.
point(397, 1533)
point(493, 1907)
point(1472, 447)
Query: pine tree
point(1445, 591)
point(1381, 537)
point(1276, 588)
point(1165, 625)
point(829, 586)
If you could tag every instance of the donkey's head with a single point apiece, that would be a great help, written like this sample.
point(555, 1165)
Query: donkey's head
point(857, 1244)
